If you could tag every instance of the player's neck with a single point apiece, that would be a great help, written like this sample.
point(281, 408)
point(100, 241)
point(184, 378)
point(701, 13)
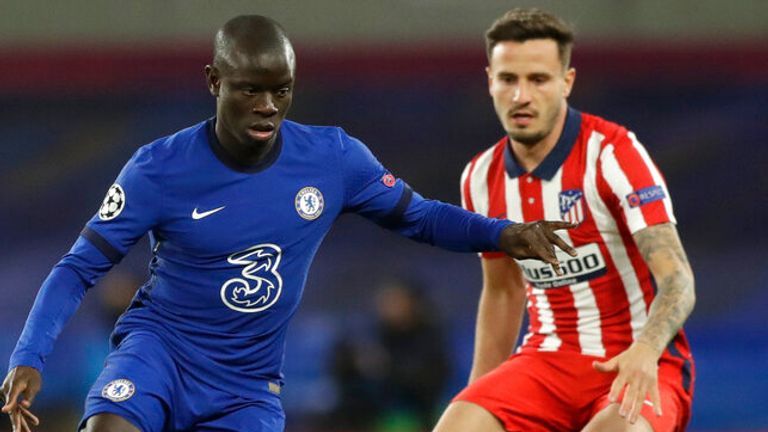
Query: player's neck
point(249, 155)
point(530, 156)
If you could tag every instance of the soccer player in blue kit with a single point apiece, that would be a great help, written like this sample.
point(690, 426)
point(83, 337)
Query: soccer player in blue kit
point(236, 207)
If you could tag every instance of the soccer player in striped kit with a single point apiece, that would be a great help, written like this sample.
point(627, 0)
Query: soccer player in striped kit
point(605, 349)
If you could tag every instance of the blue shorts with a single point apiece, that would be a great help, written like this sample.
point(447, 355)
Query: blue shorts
point(144, 384)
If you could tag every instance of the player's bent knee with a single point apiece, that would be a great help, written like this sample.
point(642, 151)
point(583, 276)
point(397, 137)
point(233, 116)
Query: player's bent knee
point(466, 416)
point(107, 422)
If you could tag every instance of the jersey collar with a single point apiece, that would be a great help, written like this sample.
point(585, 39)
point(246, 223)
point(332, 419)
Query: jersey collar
point(554, 160)
point(228, 160)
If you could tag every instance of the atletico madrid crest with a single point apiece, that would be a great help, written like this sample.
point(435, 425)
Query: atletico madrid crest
point(571, 206)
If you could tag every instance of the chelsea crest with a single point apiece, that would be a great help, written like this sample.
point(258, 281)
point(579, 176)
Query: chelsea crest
point(118, 390)
point(309, 203)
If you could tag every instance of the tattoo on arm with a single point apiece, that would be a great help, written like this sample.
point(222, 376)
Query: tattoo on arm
point(661, 249)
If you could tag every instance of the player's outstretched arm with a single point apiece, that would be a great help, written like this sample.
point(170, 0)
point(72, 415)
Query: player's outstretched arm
point(454, 228)
point(391, 203)
point(637, 367)
point(19, 390)
point(536, 240)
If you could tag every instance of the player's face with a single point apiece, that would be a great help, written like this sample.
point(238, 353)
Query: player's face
point(529, 87)
point(254, 93)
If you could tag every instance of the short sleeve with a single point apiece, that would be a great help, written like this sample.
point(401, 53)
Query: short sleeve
point(468, 202)
point(466, 193)
point(130, 208)
point(635, 183)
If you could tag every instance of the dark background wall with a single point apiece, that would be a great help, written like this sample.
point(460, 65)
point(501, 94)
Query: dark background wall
point(78, 97)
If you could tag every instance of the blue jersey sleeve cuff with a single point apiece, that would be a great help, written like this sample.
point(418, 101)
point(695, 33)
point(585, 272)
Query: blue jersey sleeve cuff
point(497, 230)
point(26, 359)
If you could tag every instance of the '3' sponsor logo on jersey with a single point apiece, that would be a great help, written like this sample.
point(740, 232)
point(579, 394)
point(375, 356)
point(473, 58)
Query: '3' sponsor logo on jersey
point(261, 284)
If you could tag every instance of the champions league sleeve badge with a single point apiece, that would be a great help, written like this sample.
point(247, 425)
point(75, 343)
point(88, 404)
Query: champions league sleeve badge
point(309, 203)
point(113, 203)
point(118, 390)
point(646, 195)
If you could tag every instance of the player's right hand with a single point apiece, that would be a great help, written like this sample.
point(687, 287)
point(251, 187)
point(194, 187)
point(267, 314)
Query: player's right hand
point(19, 390)
point(536, 240)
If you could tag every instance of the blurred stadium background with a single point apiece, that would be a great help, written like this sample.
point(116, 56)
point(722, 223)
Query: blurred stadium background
point(85, 82)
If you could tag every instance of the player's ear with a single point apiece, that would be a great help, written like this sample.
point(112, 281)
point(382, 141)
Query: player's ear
point(212, 78)
point(490, 78)
point(570, 78)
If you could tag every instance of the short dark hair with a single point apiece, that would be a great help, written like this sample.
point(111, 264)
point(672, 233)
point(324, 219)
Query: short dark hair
point(254, 33)
point(522, 24)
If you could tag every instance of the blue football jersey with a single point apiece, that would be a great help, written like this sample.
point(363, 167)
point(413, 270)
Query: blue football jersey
point(232, 245)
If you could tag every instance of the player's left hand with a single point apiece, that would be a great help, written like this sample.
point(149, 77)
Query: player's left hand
point(637, 377)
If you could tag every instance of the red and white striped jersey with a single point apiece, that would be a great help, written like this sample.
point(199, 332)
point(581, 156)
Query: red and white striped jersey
point(600, 176)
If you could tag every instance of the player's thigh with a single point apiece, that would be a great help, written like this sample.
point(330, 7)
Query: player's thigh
point(107, 422)
point(535, 392)
point(675, 406)
point(465, 416)
point(608, 419)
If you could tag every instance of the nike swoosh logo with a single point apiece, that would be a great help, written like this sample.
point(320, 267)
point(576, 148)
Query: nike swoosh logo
point(196, 215)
